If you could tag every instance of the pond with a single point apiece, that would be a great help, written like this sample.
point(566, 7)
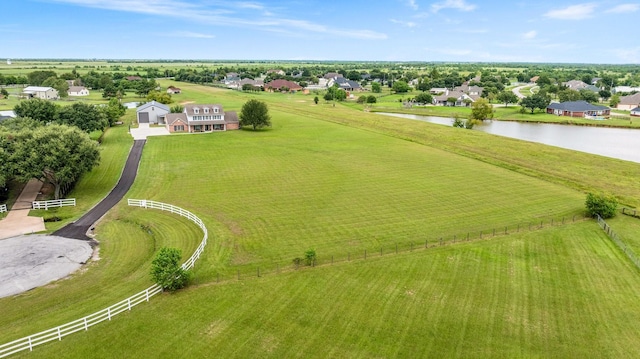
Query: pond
point(621, 143)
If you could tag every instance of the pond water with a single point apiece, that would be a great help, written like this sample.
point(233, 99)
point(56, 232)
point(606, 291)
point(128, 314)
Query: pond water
point(618, 143)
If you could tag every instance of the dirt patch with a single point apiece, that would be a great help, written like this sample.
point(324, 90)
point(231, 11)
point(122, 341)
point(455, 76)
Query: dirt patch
point(215, 328)
point(186, 102)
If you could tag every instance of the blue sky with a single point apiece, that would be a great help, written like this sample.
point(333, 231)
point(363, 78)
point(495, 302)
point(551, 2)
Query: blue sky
point(355, 30)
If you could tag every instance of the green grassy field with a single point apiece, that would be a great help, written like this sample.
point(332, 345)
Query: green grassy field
point(564, 292)
point(343, 181)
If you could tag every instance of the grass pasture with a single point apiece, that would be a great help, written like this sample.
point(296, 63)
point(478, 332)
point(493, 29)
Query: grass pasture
point(544, 294)
point(340, 180)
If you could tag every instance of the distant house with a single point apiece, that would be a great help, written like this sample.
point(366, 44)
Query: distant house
point(578, 109)
point(202, 118)
point(635, 112)
point(45, 93)
point(152, 113)
point(534, 79)
point(344, 84)
point(627, 89)
point(231, 77)
point(133, 78)
point(332, 75)
point(461, 99)
point(257, 84)
point(172, 90)
point(575, 84)
point(629, 102)
point(277, 85)
point(276, 71)
point(78, 91)
point(437, 90)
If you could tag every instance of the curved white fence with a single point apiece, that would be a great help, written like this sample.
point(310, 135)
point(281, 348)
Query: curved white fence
point(106, 314)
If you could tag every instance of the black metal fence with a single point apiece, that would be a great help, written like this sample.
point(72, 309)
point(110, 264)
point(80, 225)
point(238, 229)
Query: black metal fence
point(297, 261)
point(616, 239)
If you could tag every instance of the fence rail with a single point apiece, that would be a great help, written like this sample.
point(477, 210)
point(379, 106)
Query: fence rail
point(125, 305)
point(628, 251)
point(53, 203)
point(3, 208)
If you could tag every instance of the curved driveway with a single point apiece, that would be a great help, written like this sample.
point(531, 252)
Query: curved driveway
point(79, 228)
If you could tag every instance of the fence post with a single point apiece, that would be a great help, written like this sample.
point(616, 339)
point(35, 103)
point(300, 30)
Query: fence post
point(129, 303)
point(86, 327)
point(541, 224)
point(109, 313)
point(59, 335)
point(425, 244)
point(30, 345)
point(505, 230)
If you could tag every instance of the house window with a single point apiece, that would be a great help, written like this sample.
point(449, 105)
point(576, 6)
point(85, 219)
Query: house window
point(196, 110)
point(206, 110)
point(178, 128)
point(215, 109)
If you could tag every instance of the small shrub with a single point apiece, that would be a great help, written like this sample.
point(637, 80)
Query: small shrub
point(166, 270)
point(599, 204)
point(310, 257)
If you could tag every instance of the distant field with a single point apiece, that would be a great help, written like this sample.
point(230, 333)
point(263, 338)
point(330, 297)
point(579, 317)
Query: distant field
point(341, 181)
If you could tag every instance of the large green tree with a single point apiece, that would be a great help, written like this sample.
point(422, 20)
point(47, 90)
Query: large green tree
point(113, 111)
point(6, 149)
point(58, 154)
point(507, 97)
point(59, 84)
point(481, 110)
point(36, 78)
point(255, 113)
point(37, 109)
point(86, 117)
point(400, 86)
point(536, 101)
point(376, 88)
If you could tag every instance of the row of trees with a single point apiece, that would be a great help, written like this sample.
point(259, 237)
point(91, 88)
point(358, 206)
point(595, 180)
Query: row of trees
point(86, 117)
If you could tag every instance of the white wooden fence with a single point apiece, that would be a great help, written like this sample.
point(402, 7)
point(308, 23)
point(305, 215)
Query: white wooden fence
point(53, 203)
point(106, 314)
point(3, 208)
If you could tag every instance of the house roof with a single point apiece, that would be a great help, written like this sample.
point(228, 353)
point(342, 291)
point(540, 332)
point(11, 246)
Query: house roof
point(447, 95)
point(172, 118)
point(591, 88)
point(152, 103)
point(76, 88)
point(332, 75)
point(576, 106)
point(36, 89)
point(190, 109)
point(276, 84)
point(637, 109)
point(631, 99)
point(575, 84)
point(133, 78)
point(231, 117)
point(345, 83)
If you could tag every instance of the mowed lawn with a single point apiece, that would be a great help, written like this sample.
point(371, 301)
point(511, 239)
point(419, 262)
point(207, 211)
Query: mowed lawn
point(268, 196)
point(311, 184)
point(563, 292)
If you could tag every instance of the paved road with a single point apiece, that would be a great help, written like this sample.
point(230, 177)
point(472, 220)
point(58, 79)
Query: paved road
point(18, 220)
point(79, 228)
point(516, 90)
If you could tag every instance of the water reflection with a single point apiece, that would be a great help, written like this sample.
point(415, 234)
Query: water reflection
point(618, 143)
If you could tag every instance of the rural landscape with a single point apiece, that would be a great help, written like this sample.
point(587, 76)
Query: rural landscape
point(476, 207)
point(428, 240)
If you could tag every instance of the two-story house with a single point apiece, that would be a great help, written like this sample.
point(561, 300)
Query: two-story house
point(202, 118)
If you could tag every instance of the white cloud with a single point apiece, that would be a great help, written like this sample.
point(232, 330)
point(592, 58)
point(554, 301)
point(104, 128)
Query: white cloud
point(461, 5)
point(530, 35)
point(412, 4)
point(223, 15)
point(573, 12)
point(404, 23)
point(624, 8)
